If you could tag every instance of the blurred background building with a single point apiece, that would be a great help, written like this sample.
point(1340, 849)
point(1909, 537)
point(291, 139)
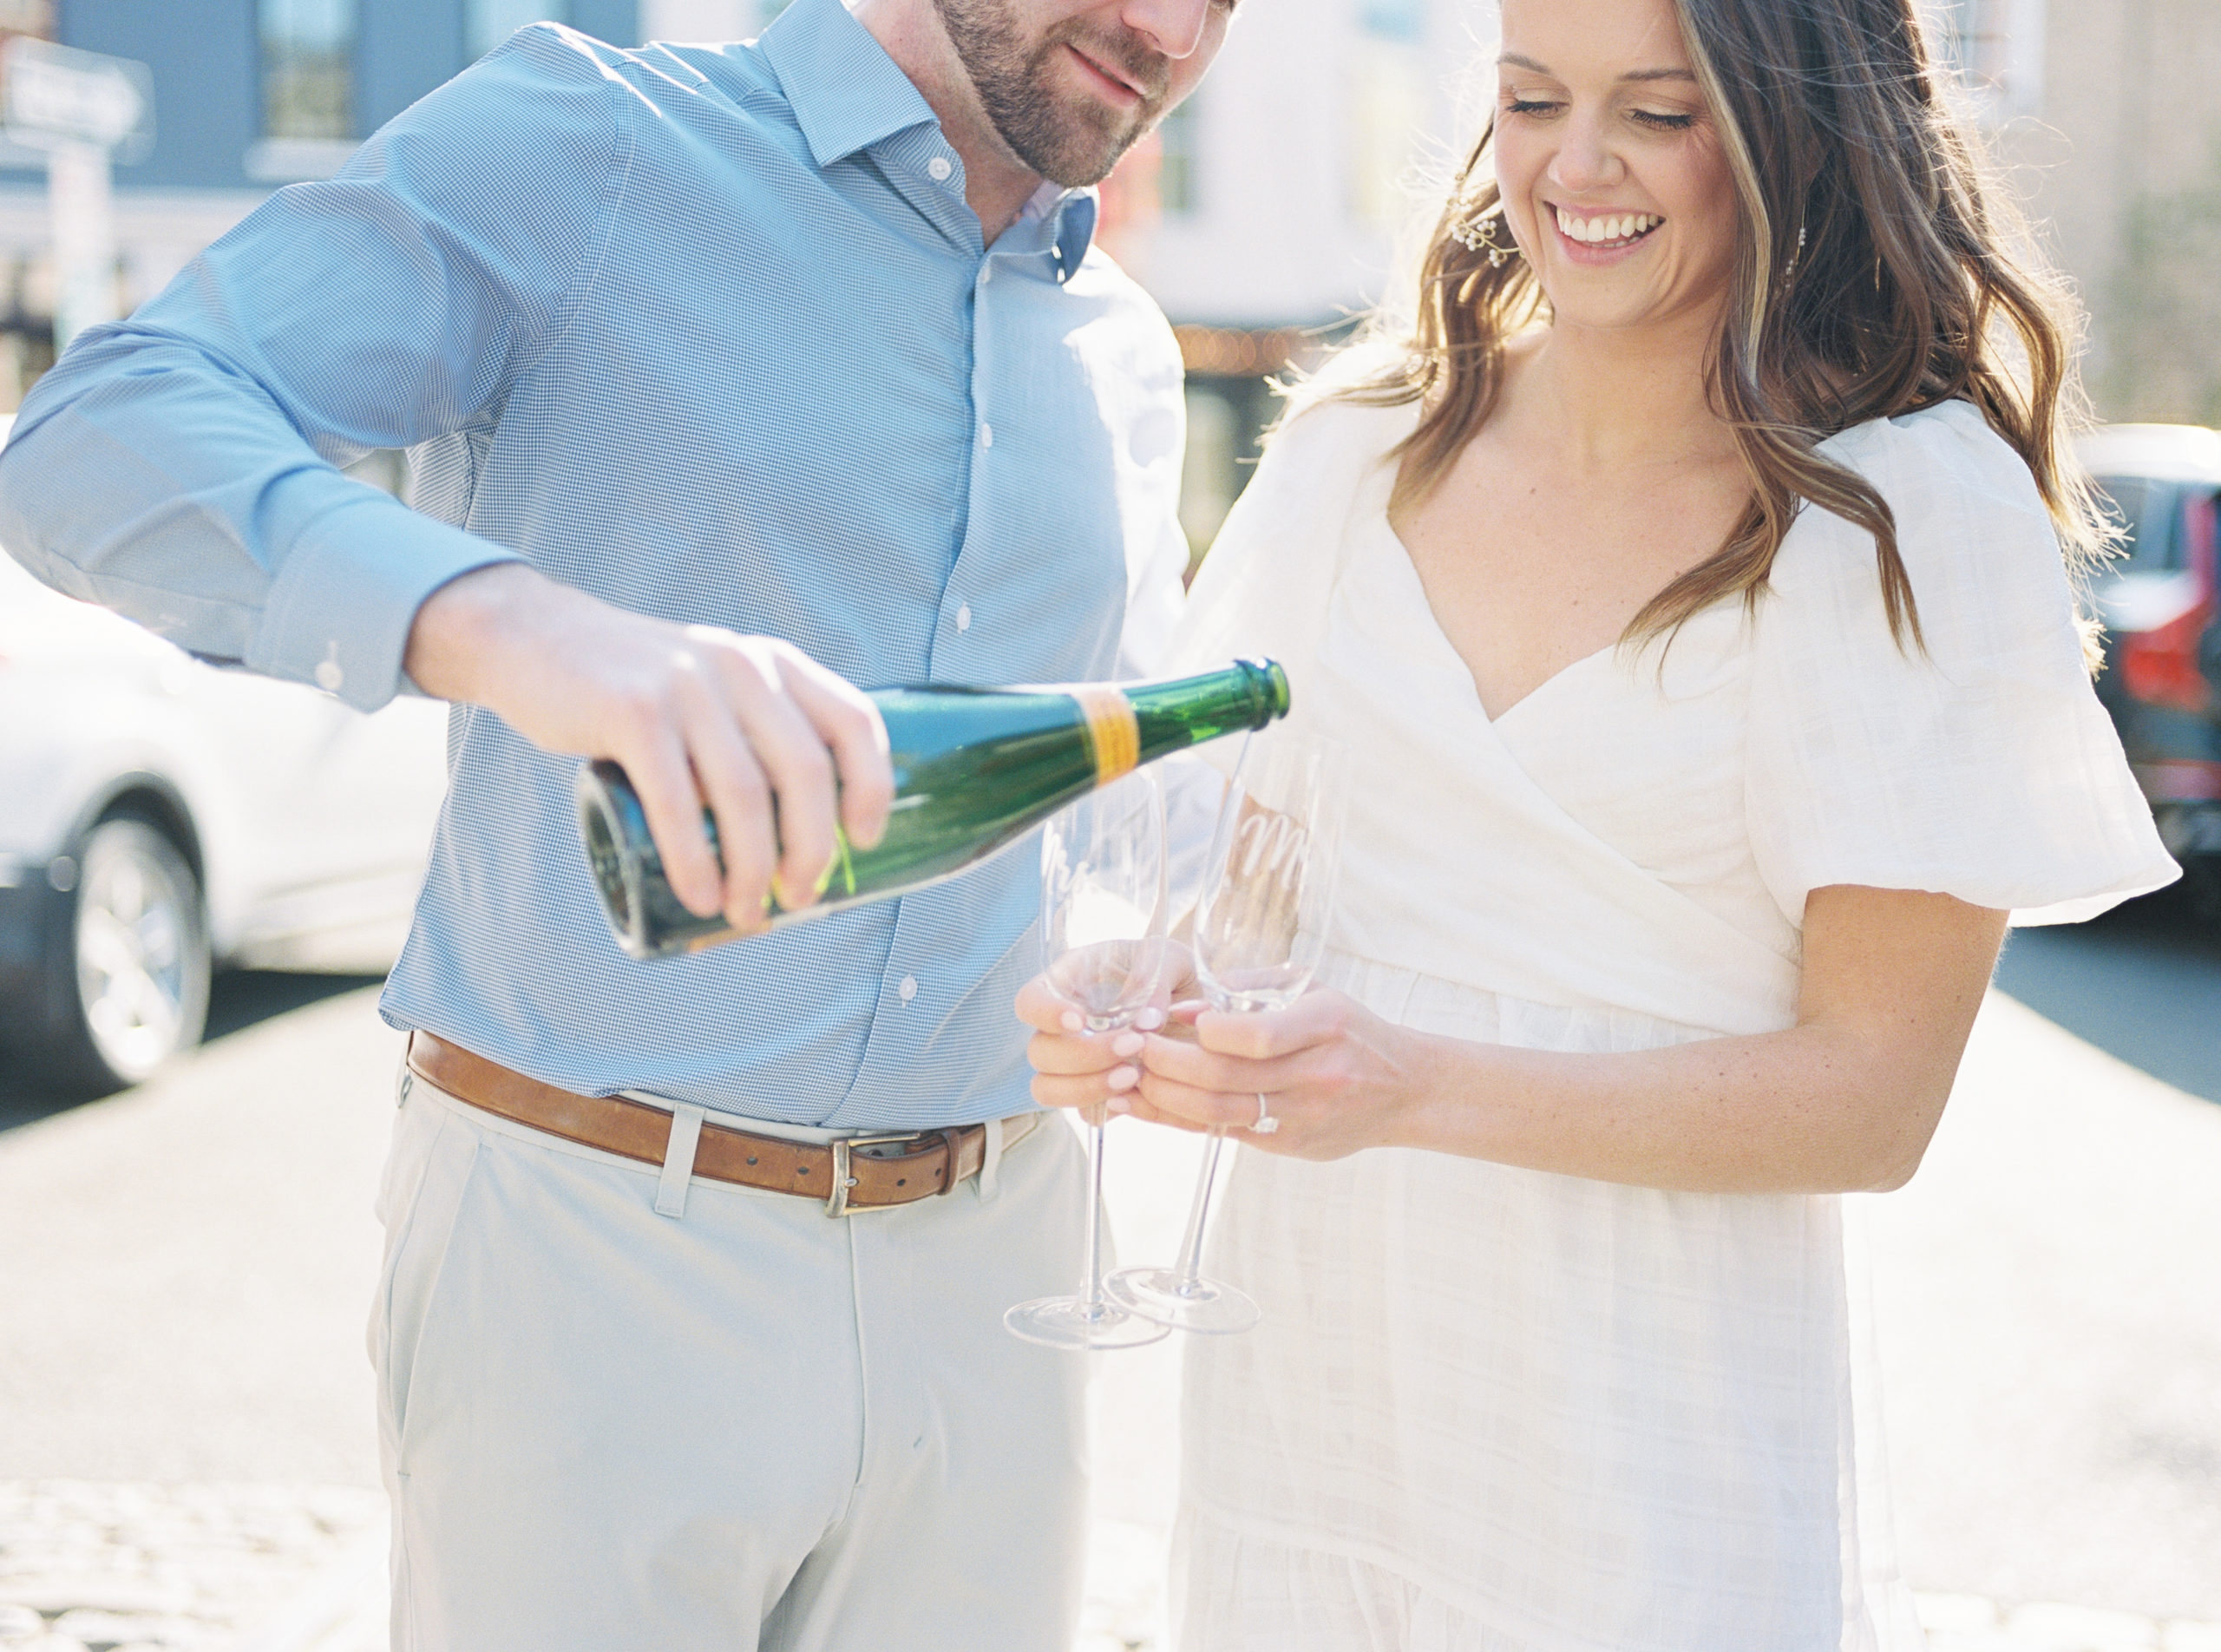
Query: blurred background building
point(2107, 112)
point(1266, 214)
point(251, 95)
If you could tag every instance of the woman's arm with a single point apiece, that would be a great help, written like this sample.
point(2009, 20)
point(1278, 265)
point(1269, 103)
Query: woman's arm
point(1845, 1100)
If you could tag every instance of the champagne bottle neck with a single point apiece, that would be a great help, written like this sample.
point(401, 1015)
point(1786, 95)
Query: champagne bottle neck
point(1186, 712)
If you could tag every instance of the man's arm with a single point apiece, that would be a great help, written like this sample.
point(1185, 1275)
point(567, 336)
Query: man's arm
point(181, 467)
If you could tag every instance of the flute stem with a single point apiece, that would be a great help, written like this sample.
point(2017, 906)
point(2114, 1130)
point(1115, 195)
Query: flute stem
point(1091, 1292)
point(1191, 1244)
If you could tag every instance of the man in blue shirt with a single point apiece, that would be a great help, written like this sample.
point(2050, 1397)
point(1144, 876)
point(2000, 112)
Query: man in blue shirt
point(731, 375)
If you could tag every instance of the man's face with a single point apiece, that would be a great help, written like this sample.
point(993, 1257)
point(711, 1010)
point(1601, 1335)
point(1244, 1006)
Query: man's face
point(1069, 90)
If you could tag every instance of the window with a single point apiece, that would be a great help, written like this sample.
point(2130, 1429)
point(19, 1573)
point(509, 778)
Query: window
point(1180, 160)
point(488, 23)
point(1976, 39)
point(1996, 47)
point(1389, 92)
point(27, 18)
point(308, 70)
point(1403, 20)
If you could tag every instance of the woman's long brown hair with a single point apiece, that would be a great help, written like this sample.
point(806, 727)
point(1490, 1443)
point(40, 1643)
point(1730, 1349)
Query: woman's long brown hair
point(1876, 276)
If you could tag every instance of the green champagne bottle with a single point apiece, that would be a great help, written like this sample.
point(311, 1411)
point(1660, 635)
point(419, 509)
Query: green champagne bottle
point(975, 770)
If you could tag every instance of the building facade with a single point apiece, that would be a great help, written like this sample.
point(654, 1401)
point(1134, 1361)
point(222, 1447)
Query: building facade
point(1271, 208)
point(2114, 144)
point(250, 95)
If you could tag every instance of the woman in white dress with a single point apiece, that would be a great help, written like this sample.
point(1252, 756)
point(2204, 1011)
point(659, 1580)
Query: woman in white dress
point(1686, 587)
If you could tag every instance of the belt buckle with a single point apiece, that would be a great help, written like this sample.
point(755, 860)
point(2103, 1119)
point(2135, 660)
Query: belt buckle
point(837, 1203)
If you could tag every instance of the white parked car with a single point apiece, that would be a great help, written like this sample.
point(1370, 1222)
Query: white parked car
point(159, 814)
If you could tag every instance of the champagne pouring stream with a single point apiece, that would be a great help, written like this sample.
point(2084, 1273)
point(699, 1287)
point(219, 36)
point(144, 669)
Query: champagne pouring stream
point(1103, 945)
point(1260, 930)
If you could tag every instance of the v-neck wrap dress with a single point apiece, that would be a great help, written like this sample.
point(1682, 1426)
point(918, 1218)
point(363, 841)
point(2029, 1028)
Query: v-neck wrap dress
point(1498, 1410)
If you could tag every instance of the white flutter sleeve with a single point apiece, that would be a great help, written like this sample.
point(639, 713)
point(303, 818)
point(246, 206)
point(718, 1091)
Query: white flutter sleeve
point(1984, 768)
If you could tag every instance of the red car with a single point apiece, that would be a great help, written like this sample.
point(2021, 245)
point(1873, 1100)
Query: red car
point(2162, 680)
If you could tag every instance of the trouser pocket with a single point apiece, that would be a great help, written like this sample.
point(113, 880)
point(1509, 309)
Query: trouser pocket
point(428, 1178)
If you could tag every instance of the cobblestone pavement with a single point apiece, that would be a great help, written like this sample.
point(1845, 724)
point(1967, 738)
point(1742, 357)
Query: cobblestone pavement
point(1125, 1600)
point(88, 1567)
point(127, 1568)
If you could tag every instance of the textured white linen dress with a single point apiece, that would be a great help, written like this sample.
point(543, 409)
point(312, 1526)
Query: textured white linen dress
point(1493, 1409)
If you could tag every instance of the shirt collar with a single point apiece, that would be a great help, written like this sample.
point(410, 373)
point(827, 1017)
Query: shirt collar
point(845, 92)
point(1065, 218)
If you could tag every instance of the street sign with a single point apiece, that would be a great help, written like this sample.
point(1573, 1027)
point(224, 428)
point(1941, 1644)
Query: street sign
point(87, 112)
point(55, 95)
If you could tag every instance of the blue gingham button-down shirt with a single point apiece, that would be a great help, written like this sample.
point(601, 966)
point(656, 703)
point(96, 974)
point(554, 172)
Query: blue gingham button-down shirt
point(709, 333)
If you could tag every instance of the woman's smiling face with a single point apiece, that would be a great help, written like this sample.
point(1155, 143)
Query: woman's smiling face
point(1614, 174)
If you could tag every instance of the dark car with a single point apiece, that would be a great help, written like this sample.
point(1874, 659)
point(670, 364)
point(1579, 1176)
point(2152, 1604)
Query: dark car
point(2162, 681)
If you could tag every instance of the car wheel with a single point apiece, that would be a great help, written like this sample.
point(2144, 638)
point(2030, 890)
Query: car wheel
point(134, 984)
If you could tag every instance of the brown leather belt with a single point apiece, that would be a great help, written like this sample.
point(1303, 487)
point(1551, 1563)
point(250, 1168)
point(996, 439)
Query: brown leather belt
point(868, 1172)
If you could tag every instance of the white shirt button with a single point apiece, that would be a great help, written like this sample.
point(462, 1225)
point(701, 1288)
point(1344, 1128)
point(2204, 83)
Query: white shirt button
point(908, 989)
point(329, 676)
point(940, 168)
point(986, 433)
point(964, 616)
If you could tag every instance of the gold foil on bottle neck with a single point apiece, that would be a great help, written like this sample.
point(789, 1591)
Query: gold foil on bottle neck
point(1114, 734)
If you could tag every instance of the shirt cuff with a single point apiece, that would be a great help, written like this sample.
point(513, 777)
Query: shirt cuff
point(339, 610)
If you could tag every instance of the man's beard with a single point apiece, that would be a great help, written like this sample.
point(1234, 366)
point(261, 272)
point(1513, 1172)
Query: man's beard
point(1069, 139)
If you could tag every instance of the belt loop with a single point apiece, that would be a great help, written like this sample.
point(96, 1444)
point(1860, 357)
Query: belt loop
point(678, 1159)
point(990, 1161)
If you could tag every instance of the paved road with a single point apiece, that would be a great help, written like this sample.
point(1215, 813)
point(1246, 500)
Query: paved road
point(2048, 1303)
point(190, 1266)
point(2142, 983)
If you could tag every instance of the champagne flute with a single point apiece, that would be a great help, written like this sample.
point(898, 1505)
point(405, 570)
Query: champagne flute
point(1103, 949)
point(1260, 930)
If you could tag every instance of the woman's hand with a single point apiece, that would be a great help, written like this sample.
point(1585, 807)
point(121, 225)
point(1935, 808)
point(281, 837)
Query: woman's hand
point(1073, 1067)
point(1076, 1068)
point(1337, 1077)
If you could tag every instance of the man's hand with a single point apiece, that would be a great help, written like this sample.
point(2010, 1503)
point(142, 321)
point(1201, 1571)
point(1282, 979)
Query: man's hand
point(694, 713)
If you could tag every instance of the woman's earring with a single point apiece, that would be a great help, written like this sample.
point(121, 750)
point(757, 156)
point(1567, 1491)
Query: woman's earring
point(1789, 270)
point(1477, 234)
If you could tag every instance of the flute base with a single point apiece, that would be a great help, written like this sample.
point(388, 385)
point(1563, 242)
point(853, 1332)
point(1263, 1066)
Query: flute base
point(1169, 1297)
point(1074, 1322)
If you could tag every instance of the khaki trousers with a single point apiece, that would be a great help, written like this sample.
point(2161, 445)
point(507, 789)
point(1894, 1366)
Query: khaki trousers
point(748, 1425)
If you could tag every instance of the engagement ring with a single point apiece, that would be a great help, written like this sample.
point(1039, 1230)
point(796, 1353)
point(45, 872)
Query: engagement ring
point(1266, 1123)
